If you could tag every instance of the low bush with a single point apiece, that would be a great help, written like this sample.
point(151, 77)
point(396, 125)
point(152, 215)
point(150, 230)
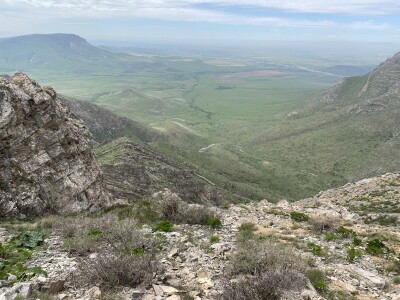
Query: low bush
point(214, 239)
point(344, 232)
point(269, 285)
point(29, 239)
point(109, 271)
point(176, 211)
point(352, 254)
point(263, 269)
point(320, 223)
point(357, 241)
point(213, 221)
point(246, 231)
point(330, 236)
point(125, 256)
point(299, 216)
point(259, 255)
point(315, 249)
point(247, 227)
point(383, 220)
point(318, 280)
point(164, 226)
point(376, 247)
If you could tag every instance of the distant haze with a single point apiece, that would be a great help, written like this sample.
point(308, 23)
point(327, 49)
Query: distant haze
point(370, 26)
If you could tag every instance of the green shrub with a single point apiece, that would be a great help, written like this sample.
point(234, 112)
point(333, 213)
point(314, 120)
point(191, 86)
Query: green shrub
point(247, 227)
point(164, 226)
point(330, 236)
point(352, 254)
point(299, 216)
point(317, 279)
point(214, 222)
point(357, 241)
point(315, 249)
point(376, 247)
point(397, 280)
point(29, 239)
point(345, 232)
point(214, 239)
point(246, 232)
point(95, 232)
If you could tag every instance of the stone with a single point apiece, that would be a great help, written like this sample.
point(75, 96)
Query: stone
point(174, 252)
point(55, 287)
point(157, 290)
point(375, 279)
point(22, 289)
point(47, 162)
point(93, 293)
point(169, 290)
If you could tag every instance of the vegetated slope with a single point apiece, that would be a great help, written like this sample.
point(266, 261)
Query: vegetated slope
point(350, 131)
point(132, 168)
point(134, 171)
point(106, 126)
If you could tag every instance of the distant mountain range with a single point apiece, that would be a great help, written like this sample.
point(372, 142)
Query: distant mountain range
point(52, 51)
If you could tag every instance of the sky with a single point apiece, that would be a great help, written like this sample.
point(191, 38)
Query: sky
point(118, 21)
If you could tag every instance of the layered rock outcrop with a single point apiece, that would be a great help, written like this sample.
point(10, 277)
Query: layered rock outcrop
point(46, 158)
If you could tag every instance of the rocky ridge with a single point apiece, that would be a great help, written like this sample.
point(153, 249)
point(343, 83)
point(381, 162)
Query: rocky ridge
point(46, 159)
point(337, 220)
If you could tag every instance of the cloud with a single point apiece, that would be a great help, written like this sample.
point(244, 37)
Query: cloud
point(215, 11)
point(351, 7)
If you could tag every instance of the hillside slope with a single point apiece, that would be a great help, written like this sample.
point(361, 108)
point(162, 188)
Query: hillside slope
point(349, 132)
point(133, 168)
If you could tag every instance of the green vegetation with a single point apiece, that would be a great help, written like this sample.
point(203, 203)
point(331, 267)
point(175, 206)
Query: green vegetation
point(14, 254)
point(299, 216)
point(214, 239)
point(247, 227)
point(318, 280)
point(246, 231)
point(344, 232)
point(352, 254)
point(164, 226)
point(376, 247)
point(330, 236)
point(214, 222)
point(29, 239)
point(357, 241)
point(315, 249)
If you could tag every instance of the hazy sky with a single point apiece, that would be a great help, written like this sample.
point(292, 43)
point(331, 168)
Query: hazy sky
point(130, 20)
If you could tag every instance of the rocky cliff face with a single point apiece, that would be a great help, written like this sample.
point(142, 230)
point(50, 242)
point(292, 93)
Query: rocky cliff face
point(46, 159)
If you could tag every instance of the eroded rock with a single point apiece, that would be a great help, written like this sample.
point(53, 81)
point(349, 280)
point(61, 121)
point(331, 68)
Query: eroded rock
point(46, 158)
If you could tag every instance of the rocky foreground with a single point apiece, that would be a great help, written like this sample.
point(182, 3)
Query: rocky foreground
point(351, 234)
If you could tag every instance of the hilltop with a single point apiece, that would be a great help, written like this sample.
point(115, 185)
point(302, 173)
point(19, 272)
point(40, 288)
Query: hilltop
point(56, 52)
